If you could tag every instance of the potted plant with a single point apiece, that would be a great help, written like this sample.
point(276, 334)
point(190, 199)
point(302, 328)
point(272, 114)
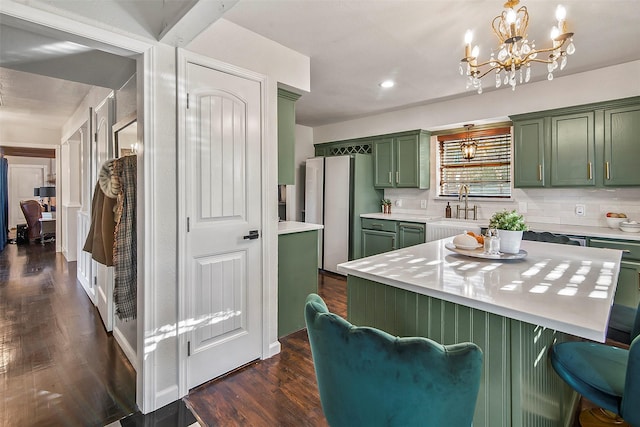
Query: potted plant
point(510, 225)
point(386, 206)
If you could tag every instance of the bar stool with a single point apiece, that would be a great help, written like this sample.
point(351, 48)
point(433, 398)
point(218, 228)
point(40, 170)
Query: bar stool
point(367, 377)
point(606, 375)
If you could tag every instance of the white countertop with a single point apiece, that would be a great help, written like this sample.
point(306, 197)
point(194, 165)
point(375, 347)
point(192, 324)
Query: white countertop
point(286, 227)
point(574, 230)
point(562, 287)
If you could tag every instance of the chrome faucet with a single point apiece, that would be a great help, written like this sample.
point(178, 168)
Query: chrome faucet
point(463, 193)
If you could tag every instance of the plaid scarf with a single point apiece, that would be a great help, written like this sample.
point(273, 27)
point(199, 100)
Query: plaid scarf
point(124, 246)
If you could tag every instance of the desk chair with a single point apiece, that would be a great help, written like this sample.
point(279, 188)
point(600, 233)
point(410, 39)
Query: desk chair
point(608, 376)
point(32, 213)
point(367, 377)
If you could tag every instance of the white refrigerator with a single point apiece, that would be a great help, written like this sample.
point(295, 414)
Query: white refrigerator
point(338, 189)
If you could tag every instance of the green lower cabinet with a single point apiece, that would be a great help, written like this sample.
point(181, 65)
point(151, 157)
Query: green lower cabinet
point(297, 278)
point(628, 290)
point(518, 386)
point(410, 234)
point(375, 242)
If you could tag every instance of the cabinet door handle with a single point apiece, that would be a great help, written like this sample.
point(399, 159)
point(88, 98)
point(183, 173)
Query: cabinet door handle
point(626, 251)
point(393, 242)
point(412, 228)
point(397, 177)
point(606, 170)
point(589, 169)
point(390, 177)
point(539, 172)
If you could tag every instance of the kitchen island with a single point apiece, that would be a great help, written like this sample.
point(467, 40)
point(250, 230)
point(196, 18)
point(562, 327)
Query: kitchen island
point(514, 310)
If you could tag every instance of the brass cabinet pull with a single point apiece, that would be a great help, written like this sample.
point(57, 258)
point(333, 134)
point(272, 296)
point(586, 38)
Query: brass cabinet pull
point(393, 242)
point(390, 177)
point(397, 177)
point(626, 251)
point(606, 170)
point(376, 225)
point(539, 172)
point(589, 169)
point(639, 280)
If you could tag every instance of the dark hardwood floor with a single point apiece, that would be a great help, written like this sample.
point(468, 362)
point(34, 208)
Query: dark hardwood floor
point(280, 391)
point(58, 366)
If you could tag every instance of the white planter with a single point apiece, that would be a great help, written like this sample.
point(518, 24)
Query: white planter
point(510, 241)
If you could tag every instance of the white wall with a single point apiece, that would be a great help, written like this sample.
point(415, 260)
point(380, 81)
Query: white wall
point(538, 205)
point(619, 81)
point(295, 193)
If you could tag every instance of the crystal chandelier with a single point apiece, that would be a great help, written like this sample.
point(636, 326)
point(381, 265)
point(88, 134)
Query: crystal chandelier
point(516, 52)
point(468, 146)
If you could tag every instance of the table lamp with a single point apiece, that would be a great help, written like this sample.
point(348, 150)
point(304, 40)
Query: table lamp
point(47, 192)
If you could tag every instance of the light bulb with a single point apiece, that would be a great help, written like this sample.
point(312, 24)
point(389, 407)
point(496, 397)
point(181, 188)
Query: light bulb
point(476, 51)
point(555, 32)
point(511, 16)
point(468, 37)
point(561, 13)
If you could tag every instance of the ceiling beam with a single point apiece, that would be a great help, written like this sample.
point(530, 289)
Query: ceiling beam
point(186, 27)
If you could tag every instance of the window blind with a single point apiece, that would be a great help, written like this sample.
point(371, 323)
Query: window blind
point(488, 174)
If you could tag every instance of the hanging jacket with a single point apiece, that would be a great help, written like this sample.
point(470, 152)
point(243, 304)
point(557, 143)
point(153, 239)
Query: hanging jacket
point(101, 233)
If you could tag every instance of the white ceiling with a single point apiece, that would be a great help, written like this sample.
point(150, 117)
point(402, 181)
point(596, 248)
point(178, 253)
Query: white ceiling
point(355, 44)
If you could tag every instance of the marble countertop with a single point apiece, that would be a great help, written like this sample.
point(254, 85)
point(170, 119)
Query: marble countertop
point(286, 227)
point(566, 288)
point(574, 230)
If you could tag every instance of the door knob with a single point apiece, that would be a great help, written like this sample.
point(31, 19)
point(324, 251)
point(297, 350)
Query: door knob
point(253, 234)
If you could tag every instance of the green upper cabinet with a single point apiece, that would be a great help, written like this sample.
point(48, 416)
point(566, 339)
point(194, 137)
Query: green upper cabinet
point(529, 162)
point(286, 136)
point(384, 163)
point(401, 160)
point(622, 146)
point(572, 150)
point(588, 145)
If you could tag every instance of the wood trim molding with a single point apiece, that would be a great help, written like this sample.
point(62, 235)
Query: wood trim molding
point(474, 134)
point(47, 153)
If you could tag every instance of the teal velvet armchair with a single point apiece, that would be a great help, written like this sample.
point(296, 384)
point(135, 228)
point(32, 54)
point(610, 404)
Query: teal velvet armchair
point(606, 375)
point(367, 377)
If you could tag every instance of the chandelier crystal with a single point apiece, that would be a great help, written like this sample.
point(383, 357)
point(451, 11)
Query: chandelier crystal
point(516, 53)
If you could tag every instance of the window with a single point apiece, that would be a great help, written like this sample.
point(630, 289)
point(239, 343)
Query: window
point(488, 174)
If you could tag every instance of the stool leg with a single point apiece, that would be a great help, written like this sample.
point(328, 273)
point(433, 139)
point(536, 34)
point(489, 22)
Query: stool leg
point(598, 417)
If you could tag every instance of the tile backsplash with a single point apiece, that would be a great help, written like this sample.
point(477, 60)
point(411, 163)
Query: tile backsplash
point(556, 206)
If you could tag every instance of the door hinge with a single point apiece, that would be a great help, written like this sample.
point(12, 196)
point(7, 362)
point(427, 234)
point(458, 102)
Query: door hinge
point(188, 348)
point(95, 280)
point(188, 225)
point(187, 101)
point(95, 137)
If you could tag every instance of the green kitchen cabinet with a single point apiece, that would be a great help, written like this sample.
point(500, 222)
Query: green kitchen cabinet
point(622, 146)
point(410, 234)
point(286, 136)
point(572, 150)
point(529, 168)
point(297, 277)
point(628, 289)
point(594, 145)
point(378, 236)
point(401, 160)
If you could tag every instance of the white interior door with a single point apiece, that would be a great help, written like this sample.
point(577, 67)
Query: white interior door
point(223, 269)
point(22, 179)
point(103, 275)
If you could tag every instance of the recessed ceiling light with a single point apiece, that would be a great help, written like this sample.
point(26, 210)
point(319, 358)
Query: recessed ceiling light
point(387, 84)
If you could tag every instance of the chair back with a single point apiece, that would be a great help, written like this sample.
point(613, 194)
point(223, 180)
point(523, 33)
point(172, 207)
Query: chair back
point(630, 406)
point(32, 212)
point(367, 377)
